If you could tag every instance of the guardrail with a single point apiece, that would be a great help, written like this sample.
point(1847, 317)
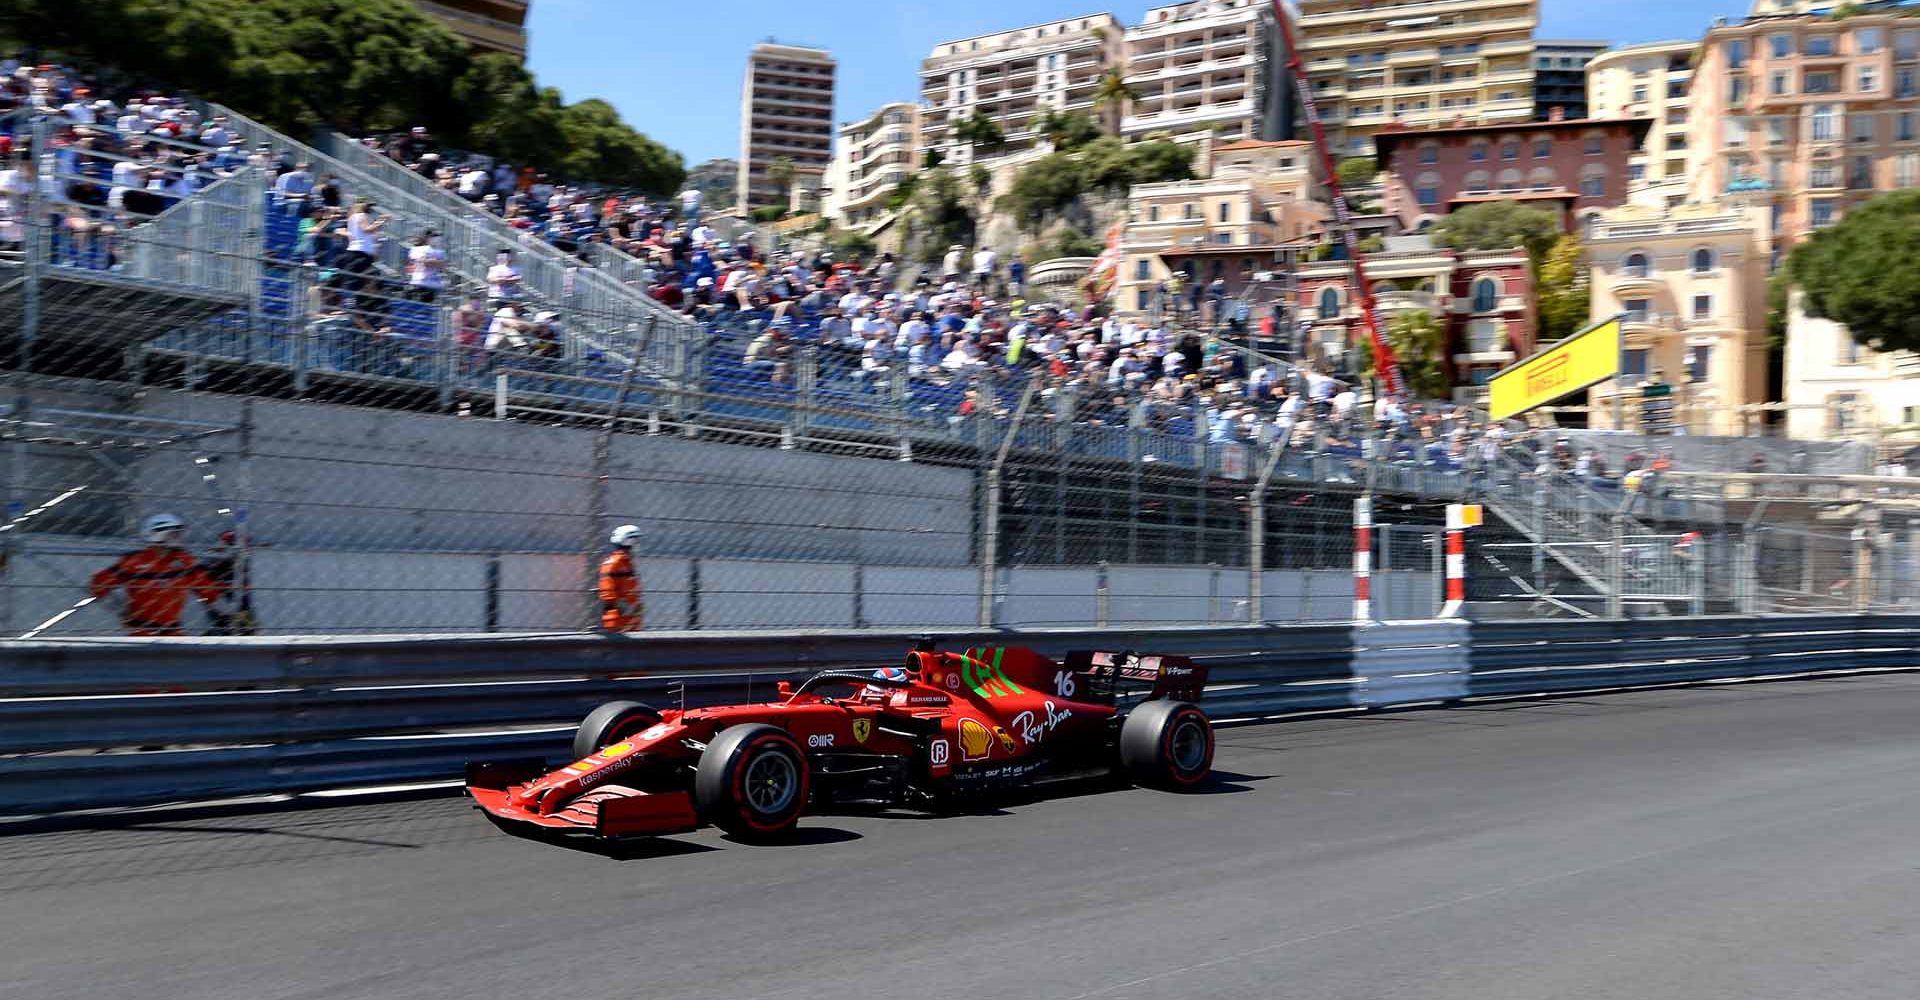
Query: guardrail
point(127, 722)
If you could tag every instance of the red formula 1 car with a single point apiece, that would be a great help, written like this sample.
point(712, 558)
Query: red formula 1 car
point(945, 725)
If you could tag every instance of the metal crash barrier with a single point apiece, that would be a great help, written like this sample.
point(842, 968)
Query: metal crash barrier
point(88, 724)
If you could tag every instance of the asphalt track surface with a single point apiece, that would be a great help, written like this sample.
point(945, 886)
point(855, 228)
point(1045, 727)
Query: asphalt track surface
point(1740, 841)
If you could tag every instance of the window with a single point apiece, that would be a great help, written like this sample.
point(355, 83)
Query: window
point(1821, 82)
point(1702, 260)
point(1903, 82)
point(1869, 79)
point(1822, 212)
point(1702, 307)
point(1224, 239)
point(1429, 152)
point(1736, 53)
point(1841, 408)
point(1329, 303)
point(1637, 172)
point(1225, 211)
point(1867, 41)
point(1542, 148)
point(1737, 90)
point(1509, 150)
point(1906, 45)
point(1153, 213)
point(1777, 218)
point(1635, 266)
point(1593, 186)
point(1823, 122)
point(1633, 363)
point(1863, 128)
point(1782, 84)
point(1776, 131)
point(1541, 179)
point(1782, 46)
point(1428, 196)
point(1189, 211)
point(1733, 131)
point(1820, 45)
point(1821, 176)
point(1510, 180)
point(1141, 299)
point(1477, 152)
point(1906, 170)
point(1595, 144)
point(1486, 295)
point(1903, 127)
point(1860, 178)
point(1479, 181)
point(1698, 357)
point(1639, 93)
point(1142, 269)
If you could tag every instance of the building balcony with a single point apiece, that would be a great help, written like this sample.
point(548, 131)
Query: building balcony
point(1404, 301)
point(1628, 283)
point(1315, 21)
point(1149, 121)
point(1161, 29)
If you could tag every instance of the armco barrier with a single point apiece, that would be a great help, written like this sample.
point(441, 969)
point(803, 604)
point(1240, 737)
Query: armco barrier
point(255, 716)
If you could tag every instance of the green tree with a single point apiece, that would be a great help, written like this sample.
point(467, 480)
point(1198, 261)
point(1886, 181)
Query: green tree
point(1864, 272)
point(1563, 291)
point(599, 145)
point(1113, 92)
point(1042, 189)
point(1066, 131)
point(979, 132)
point(780, 172)
point(1356, 171)
point(1497, 225)
point(982, 180)
point(1065, 241)
point(1116, 166)
point(1419, 344)
point(938, 211)
point(849, 244)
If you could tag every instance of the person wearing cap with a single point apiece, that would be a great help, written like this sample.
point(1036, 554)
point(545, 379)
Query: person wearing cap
point(158, 581)
point(950, 266)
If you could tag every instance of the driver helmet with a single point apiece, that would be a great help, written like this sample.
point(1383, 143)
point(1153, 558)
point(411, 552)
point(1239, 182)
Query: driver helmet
point(884, 674)
point(164, 529)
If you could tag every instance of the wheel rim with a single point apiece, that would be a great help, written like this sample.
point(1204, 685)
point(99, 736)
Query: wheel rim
point(772, 782)
point(1189, 746)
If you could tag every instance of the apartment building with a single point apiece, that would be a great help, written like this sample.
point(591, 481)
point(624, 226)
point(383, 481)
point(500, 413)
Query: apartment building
point(1560, 77)
point(872, 157)
point(488, 25)
point(1257, 196)
point(786, 111)
point(1648, 81)
point(1416, 62)
point(1482, 299)
point(1209, 68)
point(1818, 112)
point(1690, 282)
point(1574, 166)
point(1840, 389)
point(1012, 77)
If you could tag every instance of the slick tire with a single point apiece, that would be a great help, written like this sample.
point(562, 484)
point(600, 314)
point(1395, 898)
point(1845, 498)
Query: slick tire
point(752, 782)
point(1167, 744)
point(611, 723)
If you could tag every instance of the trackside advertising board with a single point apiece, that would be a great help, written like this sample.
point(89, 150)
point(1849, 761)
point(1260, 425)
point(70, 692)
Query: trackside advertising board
point(1587, 357)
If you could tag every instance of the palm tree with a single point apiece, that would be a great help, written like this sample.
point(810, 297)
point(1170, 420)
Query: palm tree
point(979, 132)
point(1114, 94)
point(1067, 131)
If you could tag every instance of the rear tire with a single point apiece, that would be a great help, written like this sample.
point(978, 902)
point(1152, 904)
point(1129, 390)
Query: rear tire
point(752, 782)
point(1167, 744)
point(611, 723)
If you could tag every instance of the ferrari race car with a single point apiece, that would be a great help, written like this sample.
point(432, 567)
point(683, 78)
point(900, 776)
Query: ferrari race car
point(922, 736)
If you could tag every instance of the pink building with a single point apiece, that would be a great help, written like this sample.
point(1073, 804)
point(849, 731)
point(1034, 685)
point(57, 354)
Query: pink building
point(1482, 300)
point(1574, 165)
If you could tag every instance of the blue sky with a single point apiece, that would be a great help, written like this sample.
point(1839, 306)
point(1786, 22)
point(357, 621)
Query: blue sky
point(673, 67)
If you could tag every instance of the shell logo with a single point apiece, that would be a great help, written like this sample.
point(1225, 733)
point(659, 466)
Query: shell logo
point(975, 739)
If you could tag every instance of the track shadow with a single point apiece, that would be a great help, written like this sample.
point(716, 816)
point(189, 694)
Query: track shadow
point(803, 836)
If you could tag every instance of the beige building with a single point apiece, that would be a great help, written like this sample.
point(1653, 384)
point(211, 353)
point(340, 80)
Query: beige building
point(1419, 62)
point(1257, 194)
point(1820, 113)
point(1014, 76)
point(1691, 284)
point(1648, 81)
point(1838, 388)
point(491, 25)
point(786, 111)
point(1209, 68)
point(872, 157)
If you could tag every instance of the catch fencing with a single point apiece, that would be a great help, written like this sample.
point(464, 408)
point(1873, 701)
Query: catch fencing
point(115, 722)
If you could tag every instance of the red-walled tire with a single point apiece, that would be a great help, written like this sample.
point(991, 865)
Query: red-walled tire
point(752, 782)
point(1167, 744)
point(611, 723)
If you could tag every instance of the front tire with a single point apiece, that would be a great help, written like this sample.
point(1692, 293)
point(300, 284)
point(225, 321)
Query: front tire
point(1167, 744)
point(611, 723)
point(752, 782)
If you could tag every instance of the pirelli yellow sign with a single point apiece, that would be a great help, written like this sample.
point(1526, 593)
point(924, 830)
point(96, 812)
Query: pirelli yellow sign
point(1587, 357)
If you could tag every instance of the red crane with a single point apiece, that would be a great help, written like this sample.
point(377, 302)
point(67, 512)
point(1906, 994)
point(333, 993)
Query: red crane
point(1384, 361)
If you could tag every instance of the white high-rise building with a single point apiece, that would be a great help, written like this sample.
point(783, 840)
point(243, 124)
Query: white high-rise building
point(874, 155)
point(1209, 68)
point(1012, 77)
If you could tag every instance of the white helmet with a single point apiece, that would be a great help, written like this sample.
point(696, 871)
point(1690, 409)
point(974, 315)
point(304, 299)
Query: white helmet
point(626, 535)
point(163, 528)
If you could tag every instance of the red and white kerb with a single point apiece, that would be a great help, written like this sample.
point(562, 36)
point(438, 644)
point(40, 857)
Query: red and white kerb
point(1456, 560)
point(1363, 559)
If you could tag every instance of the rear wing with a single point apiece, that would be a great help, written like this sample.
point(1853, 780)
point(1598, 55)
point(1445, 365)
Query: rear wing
point(1109, 673)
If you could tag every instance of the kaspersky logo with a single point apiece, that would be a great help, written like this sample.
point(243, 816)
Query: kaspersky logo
point(981, 670)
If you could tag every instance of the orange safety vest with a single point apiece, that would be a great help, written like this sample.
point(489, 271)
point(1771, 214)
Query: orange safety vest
point(619, 593)
point(158, 581)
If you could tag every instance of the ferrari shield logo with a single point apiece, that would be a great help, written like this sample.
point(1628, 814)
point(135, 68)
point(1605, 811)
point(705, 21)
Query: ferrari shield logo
point(862, 728)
